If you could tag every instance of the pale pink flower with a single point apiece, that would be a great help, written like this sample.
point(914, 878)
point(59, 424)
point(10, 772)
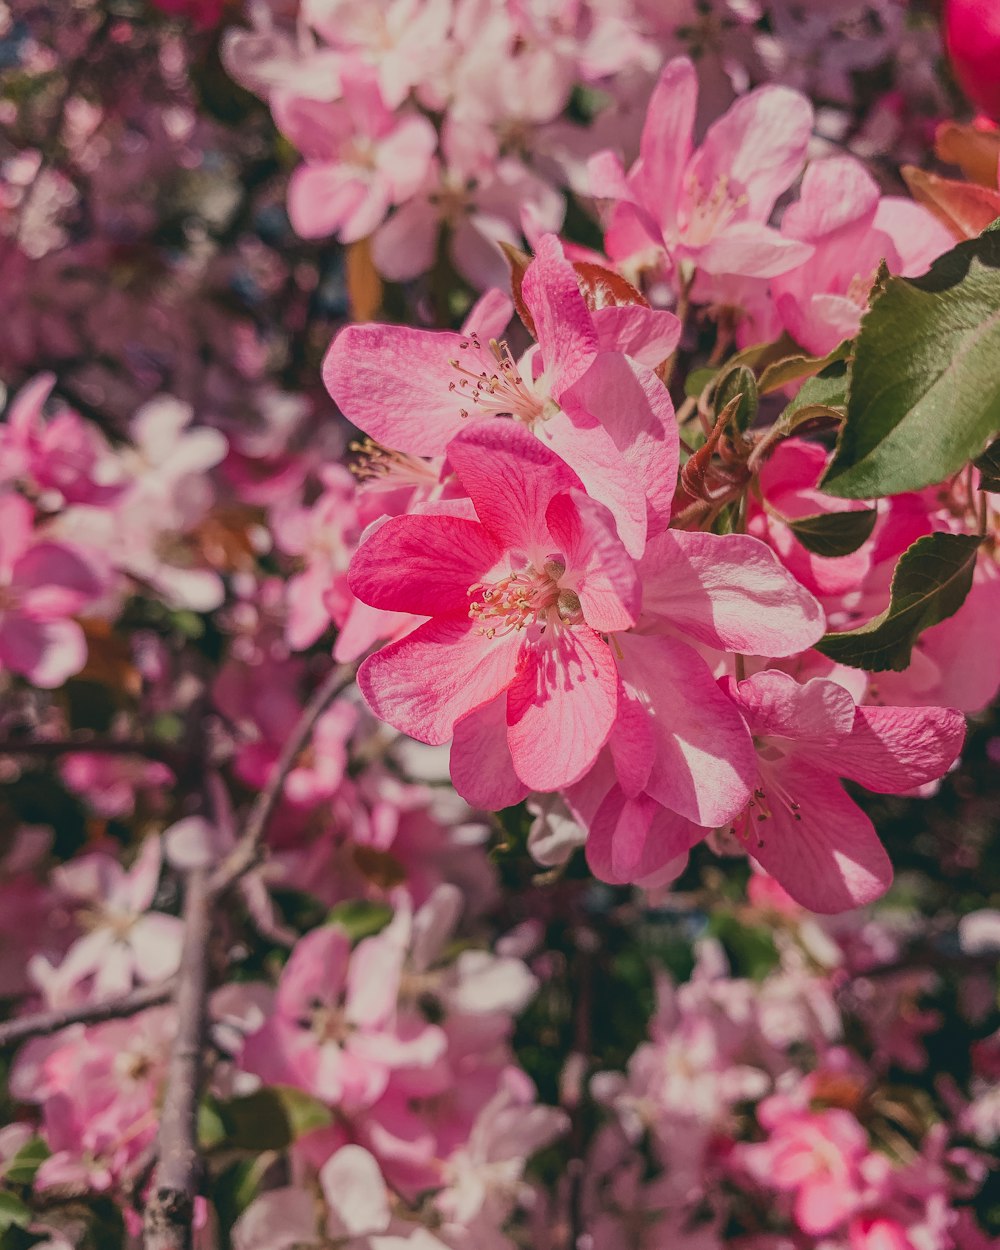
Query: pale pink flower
point(124, 940)
point(706, 209)
point(361, 158)
point(335, 1030)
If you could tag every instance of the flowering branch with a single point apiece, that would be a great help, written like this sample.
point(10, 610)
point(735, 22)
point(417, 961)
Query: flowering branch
point(45, 1023)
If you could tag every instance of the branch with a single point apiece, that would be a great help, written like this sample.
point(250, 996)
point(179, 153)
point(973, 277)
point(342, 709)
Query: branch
point(44, 1023)
point(52, 748)
point(169, 1212)
point(245, 854)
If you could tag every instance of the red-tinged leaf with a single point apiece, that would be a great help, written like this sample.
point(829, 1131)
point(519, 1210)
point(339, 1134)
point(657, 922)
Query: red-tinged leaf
point(976, 152)
point(603, 288)
point(962, 207)
point(519, 262)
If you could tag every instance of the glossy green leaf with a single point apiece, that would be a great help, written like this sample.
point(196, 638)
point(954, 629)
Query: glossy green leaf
point(925, 387)
point(834, 533)
point(930, 583)
point(738, 383)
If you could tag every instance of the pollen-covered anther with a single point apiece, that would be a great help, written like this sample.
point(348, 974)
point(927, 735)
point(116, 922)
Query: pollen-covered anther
point(525, 598)
point(381, 466)
point(501, 391)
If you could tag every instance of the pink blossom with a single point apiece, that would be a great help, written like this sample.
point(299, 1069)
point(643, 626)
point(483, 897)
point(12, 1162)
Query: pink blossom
point(517, 594)
point(707, 209)
point(800, 825)
point(43, 584)
point(361, 158)
point(335, 1030)
point(604, 412)
point(972, 34)
point(814, 1155)
point(124, 939)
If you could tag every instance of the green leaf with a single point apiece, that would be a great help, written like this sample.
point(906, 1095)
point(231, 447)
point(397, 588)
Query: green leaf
point(929, 584)
point(791, 368)
point(13, 1211)
point(738, 383)
point(23, 1166)
point(360, 918)
point(271, 1118)
point(826, 390)
point(925, 387)
point(834, 533)
point(988, 465)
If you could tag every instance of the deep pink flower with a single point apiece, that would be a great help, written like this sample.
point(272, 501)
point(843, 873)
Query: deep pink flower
point(519, 592)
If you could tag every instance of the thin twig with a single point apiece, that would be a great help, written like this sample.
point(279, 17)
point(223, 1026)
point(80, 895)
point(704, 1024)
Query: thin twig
point(45, 1023)
point(244, 855)
point(169, 1212)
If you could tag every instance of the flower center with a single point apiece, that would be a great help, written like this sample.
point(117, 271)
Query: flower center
point(500, 392)
point(708, 211)
point(526, 598)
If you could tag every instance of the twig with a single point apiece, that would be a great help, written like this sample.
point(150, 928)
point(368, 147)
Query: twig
point(244, 855)
point(169, 1212)
point(44, 1023)
point(49, 748)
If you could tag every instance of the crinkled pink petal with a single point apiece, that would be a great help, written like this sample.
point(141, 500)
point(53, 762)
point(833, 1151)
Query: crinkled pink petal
point(398, 385)
point(894, 749)
point(728, 591)
point(404, 246)
point(590, 452)
point(561, 707)
point(648, 335)
point(565, 328)
point(510, 476)
point(665, 144)
point(430, 679)
point(423, 564)
point(634, 406)
point(817, 715)
point(705, 762)
point(630, 840)
point(829, 859)
point(482, 770)
point(750, 250)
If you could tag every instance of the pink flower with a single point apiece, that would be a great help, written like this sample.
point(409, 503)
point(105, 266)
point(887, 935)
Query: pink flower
point(125, 940)
point(852, 230)
point(800, 825)
point(42, 585)
point(586, 391)
point(361, 158)
point(814, 1155)
point(518, 595)
point(707, 210)
point(335, 1030)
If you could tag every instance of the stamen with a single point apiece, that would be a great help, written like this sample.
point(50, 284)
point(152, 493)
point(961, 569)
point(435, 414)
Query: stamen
point(381, 468)
point(501, 392)
point(524, 598)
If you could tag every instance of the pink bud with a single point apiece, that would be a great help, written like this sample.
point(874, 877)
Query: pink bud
point(972, 35)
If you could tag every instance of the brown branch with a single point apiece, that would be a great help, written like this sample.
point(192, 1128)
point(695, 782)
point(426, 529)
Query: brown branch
point(45, 1023)
point(52, 748)
point(245, 854)
point(168, 1217)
